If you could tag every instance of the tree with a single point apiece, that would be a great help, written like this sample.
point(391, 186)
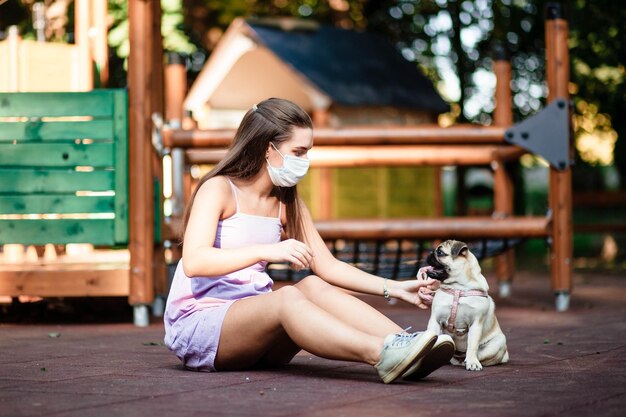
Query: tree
point(454, 40)
point(599, 77)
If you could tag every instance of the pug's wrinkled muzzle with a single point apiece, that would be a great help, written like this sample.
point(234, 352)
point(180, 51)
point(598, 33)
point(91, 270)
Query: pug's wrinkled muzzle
point(439, 270)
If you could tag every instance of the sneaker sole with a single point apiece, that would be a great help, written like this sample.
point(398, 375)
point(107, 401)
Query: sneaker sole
point(438, 356)
point(418, 353)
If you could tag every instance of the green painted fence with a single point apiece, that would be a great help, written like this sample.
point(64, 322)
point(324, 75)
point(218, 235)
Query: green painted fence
point(64, 168)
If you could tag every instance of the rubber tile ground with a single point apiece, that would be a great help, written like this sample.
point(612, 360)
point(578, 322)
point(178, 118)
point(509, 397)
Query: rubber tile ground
point(562, 364)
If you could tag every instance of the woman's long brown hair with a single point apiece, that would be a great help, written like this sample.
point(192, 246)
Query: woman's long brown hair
point(272, 120)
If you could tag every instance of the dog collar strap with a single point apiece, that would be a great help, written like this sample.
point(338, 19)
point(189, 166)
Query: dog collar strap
point(455, 303)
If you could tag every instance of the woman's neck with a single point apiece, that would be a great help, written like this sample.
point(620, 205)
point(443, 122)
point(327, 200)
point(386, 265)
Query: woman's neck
point(260, 185)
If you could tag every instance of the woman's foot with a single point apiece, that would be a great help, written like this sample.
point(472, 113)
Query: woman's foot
point(439, 355)
point(401, 351)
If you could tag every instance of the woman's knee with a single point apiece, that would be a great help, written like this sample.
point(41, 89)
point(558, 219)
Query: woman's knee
point(313, 285)
point(290, 294)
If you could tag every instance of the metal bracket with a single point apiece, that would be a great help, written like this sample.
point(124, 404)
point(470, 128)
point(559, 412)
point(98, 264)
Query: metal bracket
point(157, 133)
point(545, 134)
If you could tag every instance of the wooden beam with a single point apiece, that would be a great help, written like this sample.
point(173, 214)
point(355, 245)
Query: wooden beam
point(367, 135)
point(387, 155)
point(435, 228)
point(600, 199)
point(64, 281)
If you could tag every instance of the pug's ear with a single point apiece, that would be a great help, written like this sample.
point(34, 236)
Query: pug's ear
point(460, 249)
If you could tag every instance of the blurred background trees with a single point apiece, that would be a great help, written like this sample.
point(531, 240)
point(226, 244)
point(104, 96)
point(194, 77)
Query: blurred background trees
point(452, 41)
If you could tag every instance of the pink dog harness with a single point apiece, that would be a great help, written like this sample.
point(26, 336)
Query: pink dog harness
point(455, 303)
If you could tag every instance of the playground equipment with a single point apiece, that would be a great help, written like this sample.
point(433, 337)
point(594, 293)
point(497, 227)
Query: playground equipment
point(546, 134)
point(51, 188)
point(108, 136)
point(65, 179)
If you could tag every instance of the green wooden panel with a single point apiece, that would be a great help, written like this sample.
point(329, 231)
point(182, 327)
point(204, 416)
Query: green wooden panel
point(40, 232)
point(357, 192)
point(158, 209)
point(411, 192)
point(42, 181)
point(52, 130)
point(53, 146)
point(120, 117)
point(99, 155)
point(384, 192)
point(97, 103)
point(59, 204)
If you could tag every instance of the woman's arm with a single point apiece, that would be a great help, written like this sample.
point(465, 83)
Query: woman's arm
point(201, 259)
point(344, 275)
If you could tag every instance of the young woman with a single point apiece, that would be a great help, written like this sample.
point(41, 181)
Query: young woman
point(221, 312)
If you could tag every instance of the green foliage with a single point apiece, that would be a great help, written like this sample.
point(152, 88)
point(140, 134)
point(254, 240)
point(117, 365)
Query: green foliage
point(456, 38)
point(175, 38)
point(598, 68)
point(452, 41)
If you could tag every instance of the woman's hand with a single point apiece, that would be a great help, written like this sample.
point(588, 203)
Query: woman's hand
point(427, 293)
point(419, 292)
point(290, 250)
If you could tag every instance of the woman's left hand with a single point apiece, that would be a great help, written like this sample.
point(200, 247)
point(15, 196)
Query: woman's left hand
point(418, 291)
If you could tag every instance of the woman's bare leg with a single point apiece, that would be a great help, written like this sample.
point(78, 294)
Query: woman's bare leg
point(346, 307)
point(254, 325)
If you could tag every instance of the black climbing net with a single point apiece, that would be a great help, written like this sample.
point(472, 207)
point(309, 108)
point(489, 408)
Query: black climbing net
point(396, 258)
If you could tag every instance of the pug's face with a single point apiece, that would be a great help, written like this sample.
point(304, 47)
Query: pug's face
point(449, 259)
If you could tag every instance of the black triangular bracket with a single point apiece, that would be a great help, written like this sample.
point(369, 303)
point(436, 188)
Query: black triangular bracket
point(545, 134)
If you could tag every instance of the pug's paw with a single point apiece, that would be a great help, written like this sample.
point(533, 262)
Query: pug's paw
point(457, 362)
point(473, 365)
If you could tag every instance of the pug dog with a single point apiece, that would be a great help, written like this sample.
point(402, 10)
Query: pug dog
point(462, 307)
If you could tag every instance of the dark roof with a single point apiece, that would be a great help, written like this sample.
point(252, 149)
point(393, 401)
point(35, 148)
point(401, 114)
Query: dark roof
point(353, 68)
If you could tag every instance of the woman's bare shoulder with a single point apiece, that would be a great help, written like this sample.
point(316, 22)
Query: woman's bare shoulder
point(216, 192)
point(213, 187)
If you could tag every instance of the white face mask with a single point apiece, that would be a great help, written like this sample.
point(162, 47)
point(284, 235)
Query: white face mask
point(291, 172)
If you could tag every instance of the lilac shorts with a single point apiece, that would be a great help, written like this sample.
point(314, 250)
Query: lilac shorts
point(195, 339)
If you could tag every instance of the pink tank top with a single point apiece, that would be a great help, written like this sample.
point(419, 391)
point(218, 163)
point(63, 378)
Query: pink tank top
point(240, 230)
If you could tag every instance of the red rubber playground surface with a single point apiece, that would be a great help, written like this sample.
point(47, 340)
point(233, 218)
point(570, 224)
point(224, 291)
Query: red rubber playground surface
point(562, 364)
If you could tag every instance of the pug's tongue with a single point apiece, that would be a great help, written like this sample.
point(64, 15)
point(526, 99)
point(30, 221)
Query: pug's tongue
point(436, 271)
point(428, 268)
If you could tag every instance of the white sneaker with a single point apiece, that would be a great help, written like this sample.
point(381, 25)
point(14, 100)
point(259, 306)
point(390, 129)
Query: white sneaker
point(401, 351)
point(438, 356)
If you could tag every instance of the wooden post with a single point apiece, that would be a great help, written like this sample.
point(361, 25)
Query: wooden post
point(13, 61)
point(503, 181)
point(82, 23)
point(175, 89)
point(141, 210)
point(100, 48)
point(324, 176)
point(557, 74)
point(158, 106)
